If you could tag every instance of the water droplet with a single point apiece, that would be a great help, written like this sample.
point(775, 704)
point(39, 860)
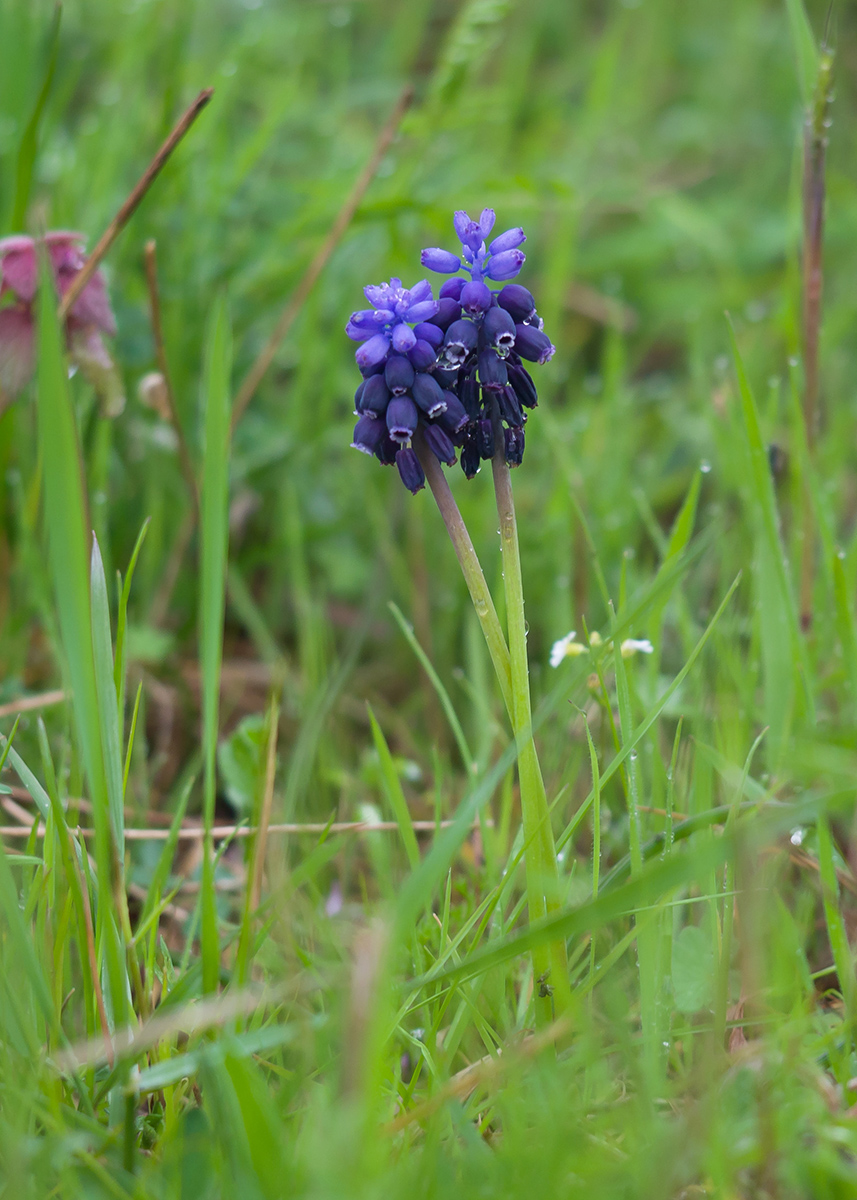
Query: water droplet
point(633, 756)
point(669, 775)
point(705, 466)
point(481, 607)
point(794, 361)
point(840, 554)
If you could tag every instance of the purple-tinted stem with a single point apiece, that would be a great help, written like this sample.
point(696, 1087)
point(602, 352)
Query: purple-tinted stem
point(470, 568)
point(815, 147)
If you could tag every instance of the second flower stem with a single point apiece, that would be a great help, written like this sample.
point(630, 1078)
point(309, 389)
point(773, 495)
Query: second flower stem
point(550, 962)
point(470, 568)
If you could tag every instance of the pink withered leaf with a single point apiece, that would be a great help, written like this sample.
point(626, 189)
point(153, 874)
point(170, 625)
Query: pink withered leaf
point(16, 349)
point(90, 315)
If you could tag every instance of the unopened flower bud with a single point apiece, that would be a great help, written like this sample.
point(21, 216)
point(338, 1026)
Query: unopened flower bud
point(410, 470)
point(399, 374)
point(532, 344)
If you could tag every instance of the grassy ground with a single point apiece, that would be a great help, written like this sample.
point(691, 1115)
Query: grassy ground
point(325, 1016)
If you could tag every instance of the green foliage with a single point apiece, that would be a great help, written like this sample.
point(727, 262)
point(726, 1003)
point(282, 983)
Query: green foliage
point(366, 1028)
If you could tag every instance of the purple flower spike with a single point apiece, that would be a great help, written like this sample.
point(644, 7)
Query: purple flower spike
point(374, 351)
point(532, 344)
point(402, 418)
point(505, 265)
point(413, 476)
point(442, 261)
point(438, 441)
point(510, 240)
point(451, 370)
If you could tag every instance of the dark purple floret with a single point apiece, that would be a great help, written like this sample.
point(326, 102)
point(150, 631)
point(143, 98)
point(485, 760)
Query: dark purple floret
point(422, 356)
point(438, 441)
point(532, 344)
point(376, 396)
point(357, 396)
point(513, 446)
point(447, 377)
point(470, 456)
point(459, 342)
point(455, 418)
point(402, 418)
point(498, 330)
point(399, 374)
point(369, 433)
point(387, 451)
point(510, 409)
point(469, 392)
point(448, 310)
point(475, 299)
point(517, 301)
point(426, 332)
point(521, 381)
point(410, 470)
point(428, 395)
point(485, 437)
point(492, 371)
point(451, 290)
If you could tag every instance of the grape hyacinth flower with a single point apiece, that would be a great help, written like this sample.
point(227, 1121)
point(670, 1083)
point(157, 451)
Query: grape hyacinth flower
point(445, 374)
point(401, 392)
point(487, 337)
point(90, 315)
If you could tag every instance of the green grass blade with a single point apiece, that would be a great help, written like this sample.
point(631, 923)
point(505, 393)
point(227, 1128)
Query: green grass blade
point(442, 693)
point(805, 50)
point(29, 146)
point(106, 691)
point(395, 795)
point(214, 508)
point(120, 665)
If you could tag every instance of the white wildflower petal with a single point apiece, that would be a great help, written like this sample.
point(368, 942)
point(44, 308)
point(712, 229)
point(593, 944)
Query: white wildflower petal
point(636, 646)
point(560, 649)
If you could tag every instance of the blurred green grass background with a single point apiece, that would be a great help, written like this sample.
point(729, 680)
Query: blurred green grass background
point(652, 152)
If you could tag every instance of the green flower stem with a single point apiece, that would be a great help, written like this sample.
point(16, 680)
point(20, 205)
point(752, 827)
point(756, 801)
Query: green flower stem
point(550, 962)
point(470, 568)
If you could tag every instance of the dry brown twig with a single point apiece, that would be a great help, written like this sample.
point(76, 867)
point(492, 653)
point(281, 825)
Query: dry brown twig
point(220, 832)
point(131, 204)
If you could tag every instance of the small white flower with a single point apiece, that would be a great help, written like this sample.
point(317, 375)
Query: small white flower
point(634, 646)
point(566, 647)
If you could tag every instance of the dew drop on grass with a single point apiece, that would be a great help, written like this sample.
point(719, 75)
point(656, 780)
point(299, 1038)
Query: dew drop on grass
point(705, 466)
